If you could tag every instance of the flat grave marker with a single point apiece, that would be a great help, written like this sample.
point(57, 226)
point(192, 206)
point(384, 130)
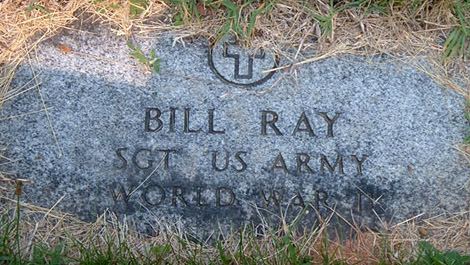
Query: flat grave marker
point(367, 138)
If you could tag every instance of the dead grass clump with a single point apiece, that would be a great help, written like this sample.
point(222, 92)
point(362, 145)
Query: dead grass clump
point(21, 21)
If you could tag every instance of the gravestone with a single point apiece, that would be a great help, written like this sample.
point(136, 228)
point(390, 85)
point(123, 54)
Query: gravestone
point(215, 139)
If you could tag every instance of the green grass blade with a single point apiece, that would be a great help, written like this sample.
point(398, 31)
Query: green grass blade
point(455, 45)
point(230, 6)
point(463, 39)
point(130, 45)
point(267, 7)
point(37, 7)
point(449, 44)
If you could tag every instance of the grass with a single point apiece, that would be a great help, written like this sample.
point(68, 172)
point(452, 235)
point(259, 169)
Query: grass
point(108, 241)
point(136, 7)
point(242, 26)
point(183, 11)
point(429, 255)
point(254, 21)
point(457, 43)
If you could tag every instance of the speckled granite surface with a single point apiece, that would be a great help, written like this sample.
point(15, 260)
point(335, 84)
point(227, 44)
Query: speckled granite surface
point(364, 137)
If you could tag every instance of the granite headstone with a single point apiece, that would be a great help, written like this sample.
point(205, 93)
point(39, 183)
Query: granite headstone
point(212, 138)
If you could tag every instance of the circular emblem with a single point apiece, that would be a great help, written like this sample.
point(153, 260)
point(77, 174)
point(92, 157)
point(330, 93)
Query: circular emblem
point(238, 67)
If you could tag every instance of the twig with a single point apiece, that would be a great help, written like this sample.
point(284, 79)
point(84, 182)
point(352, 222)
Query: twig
point(25, 114)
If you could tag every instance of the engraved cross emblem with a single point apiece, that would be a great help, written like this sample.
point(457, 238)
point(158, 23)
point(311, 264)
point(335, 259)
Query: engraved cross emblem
point(236, 56)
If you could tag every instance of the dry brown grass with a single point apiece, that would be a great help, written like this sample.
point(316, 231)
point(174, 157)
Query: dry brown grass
point(289, 24)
